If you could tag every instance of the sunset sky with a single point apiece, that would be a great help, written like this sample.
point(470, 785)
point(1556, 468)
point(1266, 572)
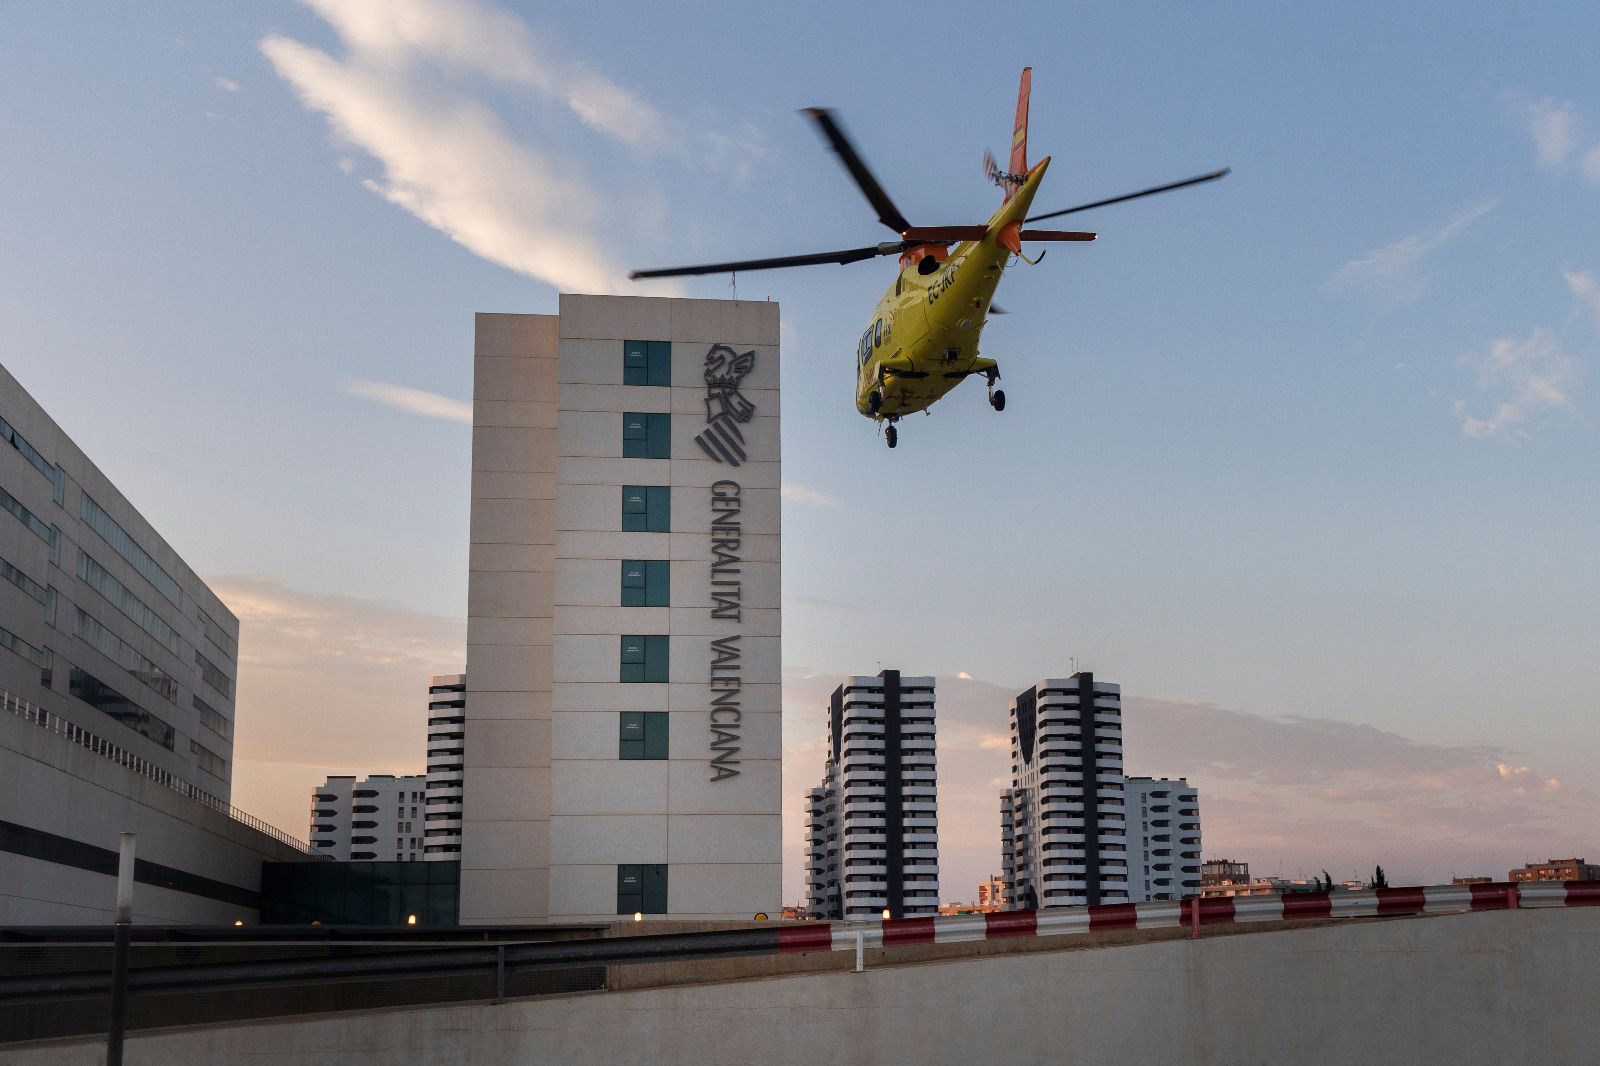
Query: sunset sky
point(1304, 459)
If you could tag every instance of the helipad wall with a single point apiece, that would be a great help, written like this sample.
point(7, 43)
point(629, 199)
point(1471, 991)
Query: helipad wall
point(623, 748)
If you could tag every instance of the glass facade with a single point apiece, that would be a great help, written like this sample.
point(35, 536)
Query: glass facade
point(107, 700)
point(8, 639)
point(208, 760)
point(646, 509)
point(124, 655)
point(95, 517)
point(212, 719)
point(123, 599)
point(360, 893)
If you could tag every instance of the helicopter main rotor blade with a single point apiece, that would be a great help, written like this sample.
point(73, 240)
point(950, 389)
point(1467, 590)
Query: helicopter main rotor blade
point(847, 255)
point(888, 213)
point(1213, 176)
point(1056, 235)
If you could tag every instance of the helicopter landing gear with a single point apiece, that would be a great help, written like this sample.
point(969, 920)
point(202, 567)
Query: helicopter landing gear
point(997, 397)
point(891, 435)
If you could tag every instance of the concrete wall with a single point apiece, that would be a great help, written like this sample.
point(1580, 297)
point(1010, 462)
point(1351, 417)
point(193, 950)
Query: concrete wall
point(1477, 988)
point(51, 784)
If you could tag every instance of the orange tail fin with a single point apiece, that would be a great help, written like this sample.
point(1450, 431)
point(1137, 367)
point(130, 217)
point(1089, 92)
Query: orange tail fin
point(1019, 132)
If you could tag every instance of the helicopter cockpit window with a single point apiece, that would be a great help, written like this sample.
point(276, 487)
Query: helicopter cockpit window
point(877, 334)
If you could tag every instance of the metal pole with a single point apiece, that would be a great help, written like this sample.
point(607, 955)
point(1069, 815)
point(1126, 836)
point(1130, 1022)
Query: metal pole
point(1194, 918)
point(861, 951)
point(500, 974)
point(120, 933)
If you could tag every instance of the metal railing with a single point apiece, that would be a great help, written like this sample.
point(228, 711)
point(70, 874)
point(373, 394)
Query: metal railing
point(106, 749)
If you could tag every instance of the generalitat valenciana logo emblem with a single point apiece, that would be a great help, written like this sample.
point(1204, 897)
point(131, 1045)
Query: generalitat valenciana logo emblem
point(726, 406)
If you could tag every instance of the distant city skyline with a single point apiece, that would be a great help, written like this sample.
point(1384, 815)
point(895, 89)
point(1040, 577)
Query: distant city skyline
point(1304, 459)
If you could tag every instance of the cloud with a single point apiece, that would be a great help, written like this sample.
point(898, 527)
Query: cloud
point(1391, 273)
point(339, 676)
point(404, 93)
point(1283, 793)
point(1591, 165)
point(227, 85)
point(808, 497)
point(414, 401)
point(1531, 376)
point(1586, 287)
point(1552, 125)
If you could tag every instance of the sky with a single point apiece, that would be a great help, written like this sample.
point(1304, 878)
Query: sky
point(1304, 459)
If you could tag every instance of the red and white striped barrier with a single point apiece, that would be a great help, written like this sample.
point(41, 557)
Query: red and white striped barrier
point(1234, 910)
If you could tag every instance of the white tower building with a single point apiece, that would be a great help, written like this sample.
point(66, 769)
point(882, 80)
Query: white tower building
point(1164, 838)
point(447, 725)
point(874, 840)
point(1063, 832)
point(624, 751)
point(357, 821)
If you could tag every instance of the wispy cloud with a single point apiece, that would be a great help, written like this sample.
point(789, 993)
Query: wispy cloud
point(414, 401)
point(1553, 126)
point(1393, 273)
point(1591, 166)
point(1524, 378)
point(808, 497)
point(1586, 287)
point(406, 93)
point(227, 85)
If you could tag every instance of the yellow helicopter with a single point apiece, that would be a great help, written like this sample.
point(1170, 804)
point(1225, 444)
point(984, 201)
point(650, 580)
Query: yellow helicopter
point(923, 340)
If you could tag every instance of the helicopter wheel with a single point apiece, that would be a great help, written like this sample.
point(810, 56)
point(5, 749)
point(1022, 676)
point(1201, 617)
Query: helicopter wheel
point(891, 436)
point(997, 399)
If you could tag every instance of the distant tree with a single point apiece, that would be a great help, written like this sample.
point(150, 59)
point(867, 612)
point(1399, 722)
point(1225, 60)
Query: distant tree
point(1378, 880)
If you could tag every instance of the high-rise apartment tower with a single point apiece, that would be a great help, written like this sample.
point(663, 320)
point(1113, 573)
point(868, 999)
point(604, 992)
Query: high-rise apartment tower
point(874, 823)
point(1163, 838)
point(447, 725)
point(1063, 834)
point(377, 819)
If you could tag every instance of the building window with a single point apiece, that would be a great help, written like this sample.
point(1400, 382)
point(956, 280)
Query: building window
point(124, 655)
point(35, 524)
point(103, 698)
point(646, 509)
point(22, 581)
point(643, 735)
point(9, 434)
point(95, 517)
point(647, 362)
point(214, 676)
point(120, 597)
point(218, 636)
point(644, 659)
point(644, 582)
point(209, 761)
point(212, 719)
point(642, 888)
point(646, 436)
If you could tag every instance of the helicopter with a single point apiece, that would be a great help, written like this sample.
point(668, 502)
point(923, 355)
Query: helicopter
point(923, 337)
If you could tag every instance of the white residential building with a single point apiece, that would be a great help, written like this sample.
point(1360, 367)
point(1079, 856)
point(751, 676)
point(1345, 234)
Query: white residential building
point(1163, 838)
point(379, 818)
point(874, 826)
point(1064, 838)
point(624, 750)
point(447, 724)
